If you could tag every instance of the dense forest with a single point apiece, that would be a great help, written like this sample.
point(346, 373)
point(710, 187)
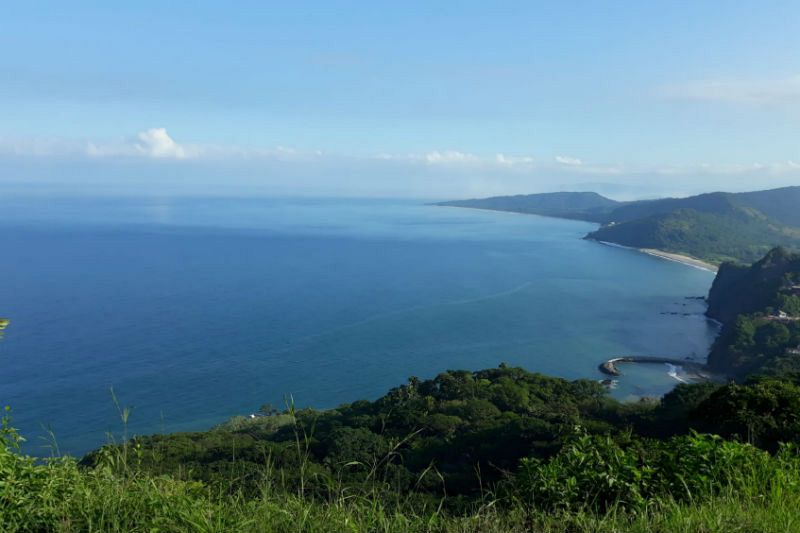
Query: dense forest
point(500, 449)
point(462, 432)
point(715, 227)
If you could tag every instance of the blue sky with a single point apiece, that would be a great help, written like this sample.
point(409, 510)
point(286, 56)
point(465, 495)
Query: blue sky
point(429, 99)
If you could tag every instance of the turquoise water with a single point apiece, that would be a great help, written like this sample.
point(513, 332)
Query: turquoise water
point(194, 310)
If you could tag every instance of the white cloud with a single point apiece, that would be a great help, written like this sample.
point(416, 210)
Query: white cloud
point(450, 156)
point(462, 159)
point(153, 143)
point(438, 172)
point(569, 161)
point(156, 142)
point(510, 161)
point(780, 91)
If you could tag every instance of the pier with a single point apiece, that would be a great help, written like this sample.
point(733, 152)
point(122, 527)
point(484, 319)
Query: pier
point(610, 367)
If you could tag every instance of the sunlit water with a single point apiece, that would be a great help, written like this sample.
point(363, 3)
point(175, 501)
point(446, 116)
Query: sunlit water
point(195, 310)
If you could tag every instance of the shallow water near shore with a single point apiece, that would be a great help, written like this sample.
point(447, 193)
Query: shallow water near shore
point(195, 310)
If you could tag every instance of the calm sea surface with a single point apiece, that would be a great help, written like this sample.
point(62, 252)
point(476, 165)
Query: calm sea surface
point(195, 310)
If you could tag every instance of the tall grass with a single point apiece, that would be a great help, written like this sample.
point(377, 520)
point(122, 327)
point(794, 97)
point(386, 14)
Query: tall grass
point(117, 495)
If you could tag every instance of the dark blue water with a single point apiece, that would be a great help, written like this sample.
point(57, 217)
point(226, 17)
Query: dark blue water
point(195, 310)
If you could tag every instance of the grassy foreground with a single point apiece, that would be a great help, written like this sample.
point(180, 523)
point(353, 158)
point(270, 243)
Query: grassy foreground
point(59, 497)
point(752, 491)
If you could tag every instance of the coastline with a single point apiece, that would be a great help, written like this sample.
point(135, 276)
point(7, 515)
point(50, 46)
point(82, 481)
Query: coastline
point(680, 258)
point(693, 370)
point(661, 254)
point(668, 256)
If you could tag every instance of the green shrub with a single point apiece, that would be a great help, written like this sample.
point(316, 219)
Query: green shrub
point(598, 473)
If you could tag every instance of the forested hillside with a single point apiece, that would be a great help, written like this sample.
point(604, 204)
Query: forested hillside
point(759, 307)
point(738, 234)
point(499, 450)
point(715, 227)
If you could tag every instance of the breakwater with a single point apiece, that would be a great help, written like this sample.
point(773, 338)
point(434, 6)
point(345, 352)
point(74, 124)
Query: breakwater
point(610, 367)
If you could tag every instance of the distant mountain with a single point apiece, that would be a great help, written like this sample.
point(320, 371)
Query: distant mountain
point(717, 202)
point(781, 205)
point(715, 227)
point(576, 205)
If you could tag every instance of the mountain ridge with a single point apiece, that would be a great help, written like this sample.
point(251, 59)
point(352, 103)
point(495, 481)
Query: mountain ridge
point(715, 226)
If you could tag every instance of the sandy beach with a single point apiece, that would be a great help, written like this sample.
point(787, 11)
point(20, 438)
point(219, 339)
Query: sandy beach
point(669, 256)
point(678, 258)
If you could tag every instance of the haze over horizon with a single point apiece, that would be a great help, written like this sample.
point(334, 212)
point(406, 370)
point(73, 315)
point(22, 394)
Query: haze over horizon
point(414, 100)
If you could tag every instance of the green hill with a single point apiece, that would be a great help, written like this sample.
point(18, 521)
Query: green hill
point(782, 205)
point(713, 203)
point(740, 290)
point(759, 307)
point(715, 227)
point(737, 234)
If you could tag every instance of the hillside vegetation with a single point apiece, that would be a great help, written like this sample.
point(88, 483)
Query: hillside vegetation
point(759, 307)
point(715, 227)
point(597, 466)
point(738, 235)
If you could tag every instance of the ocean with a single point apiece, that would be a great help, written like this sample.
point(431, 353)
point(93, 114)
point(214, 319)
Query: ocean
point(193, 310)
